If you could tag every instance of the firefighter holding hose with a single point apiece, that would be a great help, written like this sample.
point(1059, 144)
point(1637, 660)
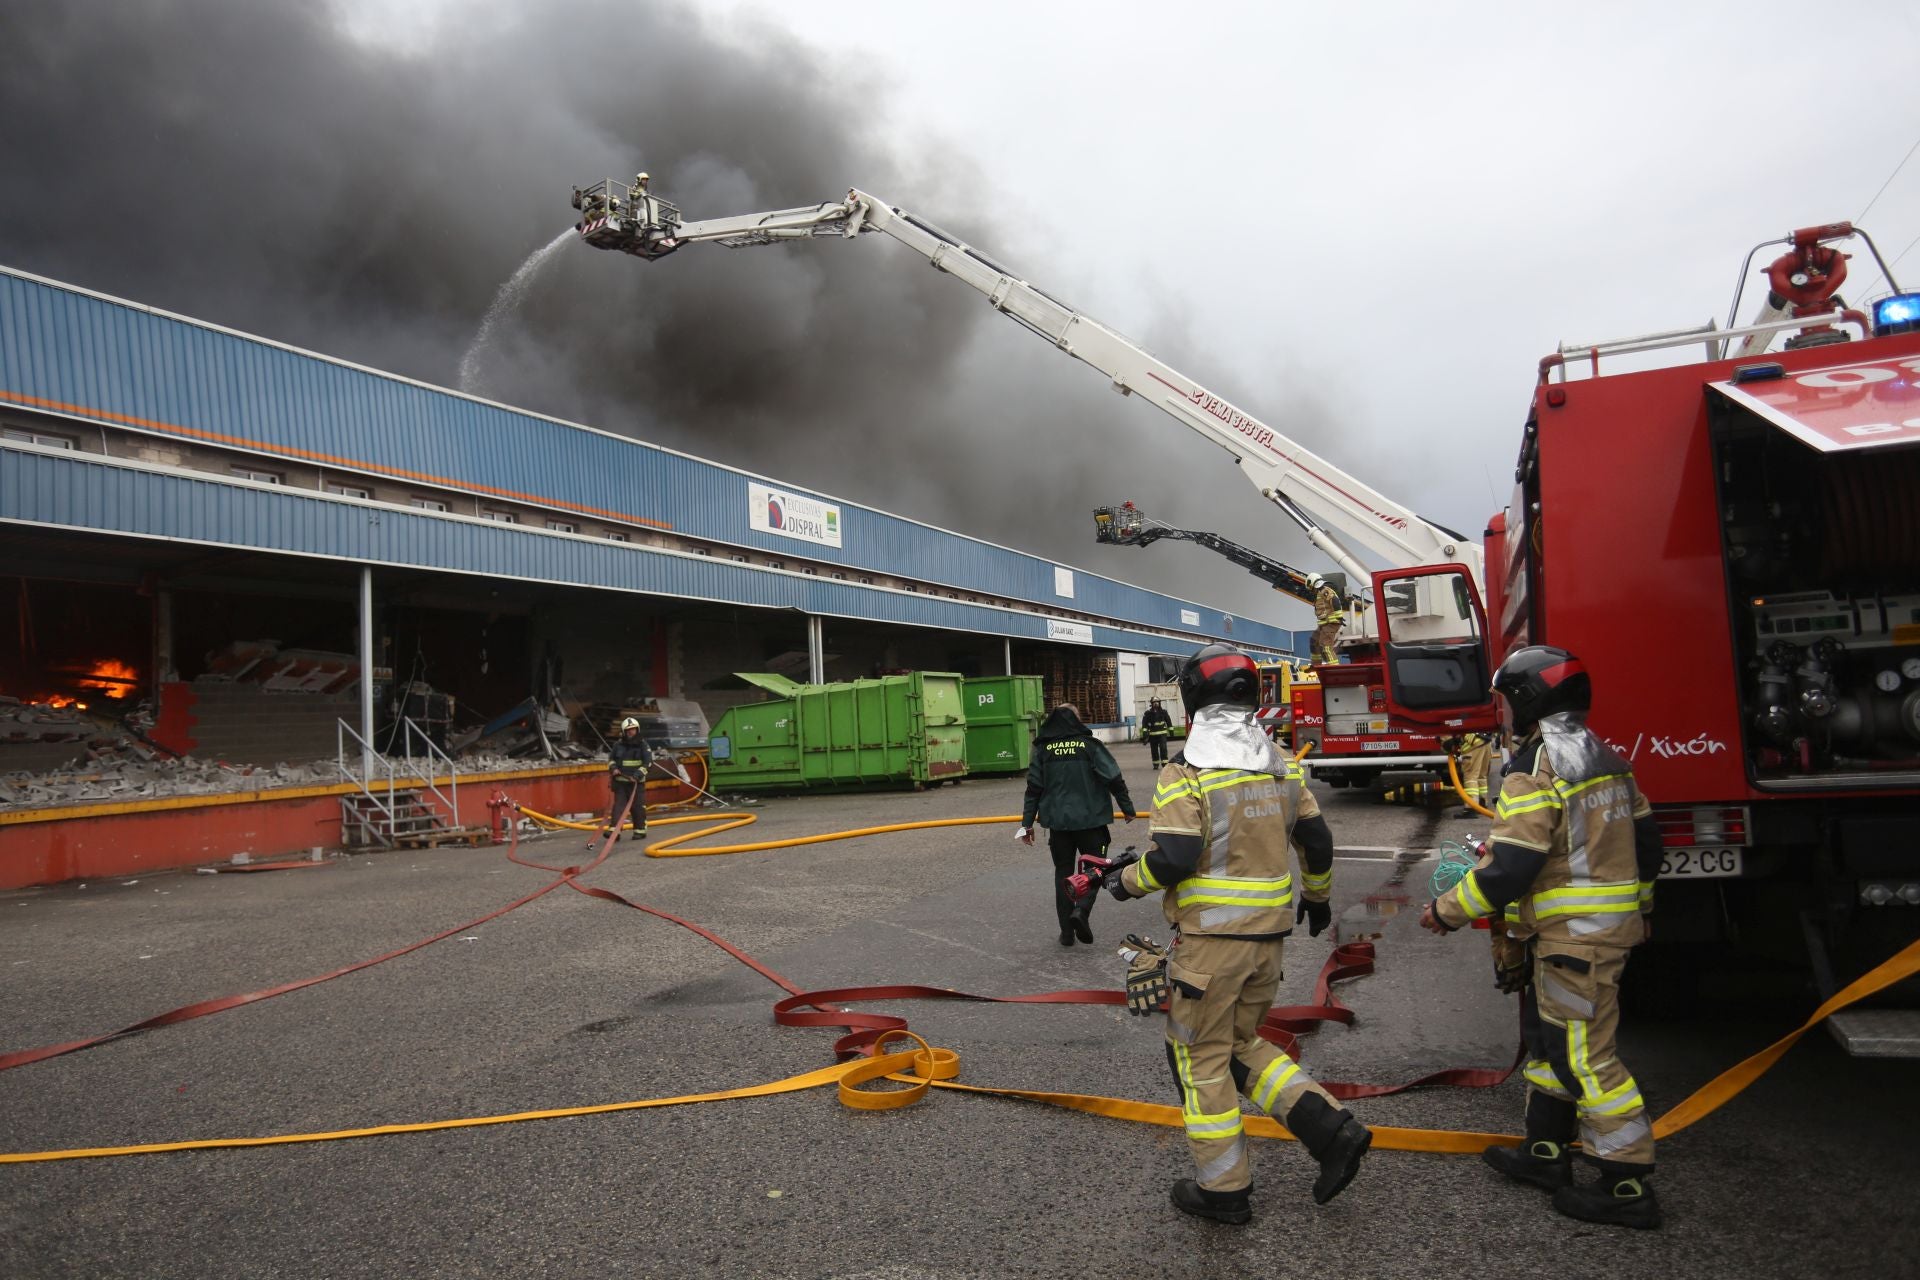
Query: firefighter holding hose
point(628, 761)
point(1227, 812)
point(1567, 883)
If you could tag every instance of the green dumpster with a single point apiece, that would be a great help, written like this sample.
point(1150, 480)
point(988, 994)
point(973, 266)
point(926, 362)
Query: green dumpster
point(905, 730)
point(1003, 715)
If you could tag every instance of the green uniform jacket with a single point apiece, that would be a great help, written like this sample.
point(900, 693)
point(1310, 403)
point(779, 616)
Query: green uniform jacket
point(1073, 783)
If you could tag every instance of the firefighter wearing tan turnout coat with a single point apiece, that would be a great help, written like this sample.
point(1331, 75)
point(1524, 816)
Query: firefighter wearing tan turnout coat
point(1227, 812)
point(1567, 882)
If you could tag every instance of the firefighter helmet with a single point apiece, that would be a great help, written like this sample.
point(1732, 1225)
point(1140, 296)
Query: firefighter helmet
point(1218, 673)
point(1541, 680)
point(1315, 581)
point(629, 723)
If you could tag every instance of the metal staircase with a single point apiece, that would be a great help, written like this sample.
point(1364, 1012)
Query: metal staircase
point(391, 809)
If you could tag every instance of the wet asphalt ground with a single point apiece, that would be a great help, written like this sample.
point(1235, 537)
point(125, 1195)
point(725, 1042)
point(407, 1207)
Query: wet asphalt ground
point(571, 1000)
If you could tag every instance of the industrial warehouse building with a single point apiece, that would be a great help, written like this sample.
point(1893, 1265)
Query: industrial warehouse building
point(224, 528)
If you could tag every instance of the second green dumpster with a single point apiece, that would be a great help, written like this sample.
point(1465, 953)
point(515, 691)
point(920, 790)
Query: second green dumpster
point(1003, 715)
point(904, 730)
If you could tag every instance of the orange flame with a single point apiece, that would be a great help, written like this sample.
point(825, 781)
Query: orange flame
point(112, 675)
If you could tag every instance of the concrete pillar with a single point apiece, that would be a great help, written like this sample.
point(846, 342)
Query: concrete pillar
point(1007, 656)
point(816, 649)
point(366, 673)
point(163, 668)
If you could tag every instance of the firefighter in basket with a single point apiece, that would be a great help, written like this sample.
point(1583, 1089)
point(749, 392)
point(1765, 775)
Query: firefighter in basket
point(1567, 883)
point(1329, 615)
point(1227, 812)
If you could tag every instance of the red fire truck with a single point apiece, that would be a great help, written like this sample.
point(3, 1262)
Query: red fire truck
point(1732, 547)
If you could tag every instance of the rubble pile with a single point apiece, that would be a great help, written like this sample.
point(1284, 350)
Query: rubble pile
point(38, 722)
point(115, 772)
point(112, 776)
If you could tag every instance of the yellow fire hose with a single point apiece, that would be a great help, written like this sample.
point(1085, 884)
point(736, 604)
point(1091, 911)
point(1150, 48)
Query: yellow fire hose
point(1453, 772)
point(731, 821)
point(923, 1067)
point(928, 1066)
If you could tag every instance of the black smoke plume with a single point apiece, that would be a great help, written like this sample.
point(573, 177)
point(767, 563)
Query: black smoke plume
point(259, 165)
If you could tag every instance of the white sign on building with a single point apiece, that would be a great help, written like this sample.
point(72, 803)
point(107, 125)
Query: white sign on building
point(1071, 632)
point(1189, 617)
point(1063, 582)
point(792, 516)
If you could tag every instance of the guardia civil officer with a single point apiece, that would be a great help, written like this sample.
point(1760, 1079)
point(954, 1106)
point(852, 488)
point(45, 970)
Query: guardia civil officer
point(1569, 874)
point(1227, 811)
point(1073, 787)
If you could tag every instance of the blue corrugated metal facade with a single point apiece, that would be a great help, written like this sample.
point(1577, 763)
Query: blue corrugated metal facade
point(78, 355)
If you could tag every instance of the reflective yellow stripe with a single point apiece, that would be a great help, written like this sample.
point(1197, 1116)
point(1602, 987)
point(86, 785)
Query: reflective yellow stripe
point(1317, 883)
point(1472, 898)
point(1220, 1124)
point(1172, 791)
point(1227, 891)
point(1268, 1084)
point(1566, 790)
point(1587, 899)
point(1233, 779)
point(1616, 1101)
point(1539, 1074)
point(1144, 875)
point(1512, 805)
point(1577, 1058)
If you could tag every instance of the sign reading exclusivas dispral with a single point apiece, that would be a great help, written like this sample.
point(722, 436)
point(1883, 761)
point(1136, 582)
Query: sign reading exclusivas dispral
point(792, 516)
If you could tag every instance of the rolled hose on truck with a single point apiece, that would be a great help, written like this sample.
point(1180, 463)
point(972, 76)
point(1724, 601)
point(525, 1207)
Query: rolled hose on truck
point(927, 1066)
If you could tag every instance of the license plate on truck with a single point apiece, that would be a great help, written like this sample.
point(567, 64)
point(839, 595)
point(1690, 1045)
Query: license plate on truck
point(1678, 864)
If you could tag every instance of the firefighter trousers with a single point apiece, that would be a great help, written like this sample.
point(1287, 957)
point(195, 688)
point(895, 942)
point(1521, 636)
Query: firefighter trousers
point(637, 815)
point(1157, 748)
point(1323, 637)
point(1570, 1016)
point(1222, 989)
point(1476, 762)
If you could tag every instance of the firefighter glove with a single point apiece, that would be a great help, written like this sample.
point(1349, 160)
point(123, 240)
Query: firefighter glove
point(1317, 915)
point(1512, 962)
point(1113, 882)
point(1146, 975)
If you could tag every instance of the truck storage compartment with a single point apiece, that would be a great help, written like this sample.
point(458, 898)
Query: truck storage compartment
point(1823, 569)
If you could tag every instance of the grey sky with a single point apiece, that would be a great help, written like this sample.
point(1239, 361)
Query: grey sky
point(1365, 224)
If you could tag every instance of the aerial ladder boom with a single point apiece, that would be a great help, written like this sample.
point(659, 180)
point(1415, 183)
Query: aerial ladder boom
point(1334, 510)
point(1127, 526)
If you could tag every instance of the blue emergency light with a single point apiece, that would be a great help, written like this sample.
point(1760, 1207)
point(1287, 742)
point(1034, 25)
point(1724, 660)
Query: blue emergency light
point(1899, 313)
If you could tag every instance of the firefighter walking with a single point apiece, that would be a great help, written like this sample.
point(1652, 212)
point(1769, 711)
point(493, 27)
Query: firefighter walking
point(1157, 728)
point(1569, 872)
point(1226, 813)
point(628, 762)
point(1329, 615)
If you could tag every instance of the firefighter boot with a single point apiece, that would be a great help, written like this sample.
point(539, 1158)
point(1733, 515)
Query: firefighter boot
point(1230, 1207)
point(1544, 1159)
point(1623, 1197)
point(1332, 1136)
